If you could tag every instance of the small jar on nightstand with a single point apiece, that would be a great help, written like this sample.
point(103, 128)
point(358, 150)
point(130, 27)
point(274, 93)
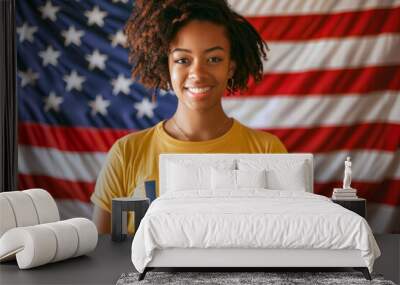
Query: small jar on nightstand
point(357, 205)
point(119, 215)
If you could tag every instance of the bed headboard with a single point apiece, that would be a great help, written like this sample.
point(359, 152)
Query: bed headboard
point(242, 160)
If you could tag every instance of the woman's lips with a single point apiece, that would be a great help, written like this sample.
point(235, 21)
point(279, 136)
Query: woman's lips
point(198, 92)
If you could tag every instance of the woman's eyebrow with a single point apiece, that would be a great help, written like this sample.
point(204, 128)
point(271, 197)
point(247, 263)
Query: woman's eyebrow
point(181, 49)
point(189, 51)
point(214, 48)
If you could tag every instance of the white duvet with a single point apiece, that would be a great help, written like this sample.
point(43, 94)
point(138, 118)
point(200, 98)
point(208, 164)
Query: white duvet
point(252, 218)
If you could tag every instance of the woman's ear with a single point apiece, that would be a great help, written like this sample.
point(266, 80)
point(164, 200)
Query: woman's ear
point(232, 68)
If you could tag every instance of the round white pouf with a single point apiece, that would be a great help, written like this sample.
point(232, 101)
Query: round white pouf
point(45, 205)
point(40, 244)
point(33, 246)
point(23, 208)
point(67, 240)
point(87, 234)
point(7, 218)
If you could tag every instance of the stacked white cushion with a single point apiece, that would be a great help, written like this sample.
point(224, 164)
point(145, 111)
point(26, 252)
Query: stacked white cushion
point(41, 244)
point(281, 174)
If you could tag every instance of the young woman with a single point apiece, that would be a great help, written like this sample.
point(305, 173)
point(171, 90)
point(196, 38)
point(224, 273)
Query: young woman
point(199, 49)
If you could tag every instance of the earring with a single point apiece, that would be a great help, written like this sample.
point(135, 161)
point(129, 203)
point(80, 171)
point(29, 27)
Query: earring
point(230, 87)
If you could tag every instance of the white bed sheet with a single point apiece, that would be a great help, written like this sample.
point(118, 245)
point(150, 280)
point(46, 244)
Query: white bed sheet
point(252, 218)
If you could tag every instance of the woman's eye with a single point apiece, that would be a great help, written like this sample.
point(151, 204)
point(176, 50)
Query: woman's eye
point(182, 61)
point(214, 59)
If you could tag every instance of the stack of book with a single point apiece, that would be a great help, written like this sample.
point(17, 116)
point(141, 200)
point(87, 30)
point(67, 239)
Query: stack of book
point(344, 194)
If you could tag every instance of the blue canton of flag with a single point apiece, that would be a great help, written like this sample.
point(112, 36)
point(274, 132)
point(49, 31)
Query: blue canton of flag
point(73, 67)
point(76, 95)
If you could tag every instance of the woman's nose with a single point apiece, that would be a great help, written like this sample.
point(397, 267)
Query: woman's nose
point(197, 71)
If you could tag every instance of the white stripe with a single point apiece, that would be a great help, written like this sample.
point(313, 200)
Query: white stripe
point(367, 166)
point(78, 166)
point(298, 7)
point(299, 56)
point(383, 218)
point(314, 111)
point(74, 208)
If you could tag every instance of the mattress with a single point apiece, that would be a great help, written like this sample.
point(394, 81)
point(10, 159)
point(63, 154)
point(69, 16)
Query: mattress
point(251, 219)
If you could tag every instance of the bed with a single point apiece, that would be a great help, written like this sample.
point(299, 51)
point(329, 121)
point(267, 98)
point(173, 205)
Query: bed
point(247, 210)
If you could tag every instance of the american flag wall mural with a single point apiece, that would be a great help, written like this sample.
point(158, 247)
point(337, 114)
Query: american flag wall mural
point(331, 87)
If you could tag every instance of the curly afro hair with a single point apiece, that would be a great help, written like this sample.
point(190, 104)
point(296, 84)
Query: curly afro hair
point(153, 24)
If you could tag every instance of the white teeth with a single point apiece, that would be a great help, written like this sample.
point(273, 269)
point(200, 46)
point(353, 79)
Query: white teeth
point(199, 90)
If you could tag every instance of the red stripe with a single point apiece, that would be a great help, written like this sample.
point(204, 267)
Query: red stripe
point(58, 188)
point(338, 25)
point(328, 82)
point(68, 138)
point(374, 136)
point(386, 192)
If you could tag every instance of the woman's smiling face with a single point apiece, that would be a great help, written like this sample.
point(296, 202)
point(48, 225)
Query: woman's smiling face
point(200, 65)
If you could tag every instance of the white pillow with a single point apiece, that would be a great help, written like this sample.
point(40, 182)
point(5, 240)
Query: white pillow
point(223, 179)
point(236, 179)
point(288, 176)
point(281, 174)
point(251, 178)
point(190, 174)
point(181, 177)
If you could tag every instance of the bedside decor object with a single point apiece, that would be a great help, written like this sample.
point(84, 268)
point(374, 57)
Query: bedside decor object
point(150, 189)
point(347, 174)
point(119, 215)
point(357, 205)
point(345, 193)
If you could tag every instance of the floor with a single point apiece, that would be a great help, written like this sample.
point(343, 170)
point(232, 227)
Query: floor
point(389, 262)
point(105, 264)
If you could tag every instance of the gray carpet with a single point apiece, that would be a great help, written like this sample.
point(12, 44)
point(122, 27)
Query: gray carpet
point(242, 278)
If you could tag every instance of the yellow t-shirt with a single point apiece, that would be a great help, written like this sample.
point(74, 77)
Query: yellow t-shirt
point(133, 159)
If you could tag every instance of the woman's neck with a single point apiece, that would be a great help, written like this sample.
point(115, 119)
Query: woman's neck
point(193, 125)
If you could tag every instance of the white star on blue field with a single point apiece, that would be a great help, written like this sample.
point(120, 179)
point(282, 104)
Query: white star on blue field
point(73, 67)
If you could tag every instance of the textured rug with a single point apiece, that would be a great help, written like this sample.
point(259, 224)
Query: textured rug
point(243, 278)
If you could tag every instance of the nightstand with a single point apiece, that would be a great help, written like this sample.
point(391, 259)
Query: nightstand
point(119, 215)
point(357, 205)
